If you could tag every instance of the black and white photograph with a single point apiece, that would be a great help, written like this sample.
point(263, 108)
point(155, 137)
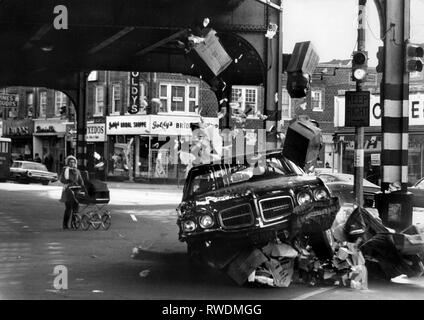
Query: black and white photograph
point(211, 156)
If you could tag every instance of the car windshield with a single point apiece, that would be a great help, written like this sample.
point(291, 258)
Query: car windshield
point(17, 165)
point(220, 176)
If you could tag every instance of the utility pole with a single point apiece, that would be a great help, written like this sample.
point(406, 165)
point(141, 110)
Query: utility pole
point(395, 203)
point(359, 130)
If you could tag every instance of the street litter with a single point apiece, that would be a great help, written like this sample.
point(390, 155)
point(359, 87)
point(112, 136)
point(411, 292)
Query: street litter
point(356, 239)
point(144, 273)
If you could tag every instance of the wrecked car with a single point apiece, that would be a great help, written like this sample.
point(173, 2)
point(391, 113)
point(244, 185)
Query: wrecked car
point(248, 201)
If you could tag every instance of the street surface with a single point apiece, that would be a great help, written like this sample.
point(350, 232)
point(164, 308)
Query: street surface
point(101, 264)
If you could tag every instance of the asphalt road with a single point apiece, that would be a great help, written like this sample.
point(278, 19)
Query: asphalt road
point(101, 264)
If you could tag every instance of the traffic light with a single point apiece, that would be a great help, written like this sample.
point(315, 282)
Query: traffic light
point(413, 56)
point(380, 56)
point(359, 65)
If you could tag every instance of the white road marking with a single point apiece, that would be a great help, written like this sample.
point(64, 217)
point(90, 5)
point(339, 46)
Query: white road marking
point(313, 293)
point(133, 217)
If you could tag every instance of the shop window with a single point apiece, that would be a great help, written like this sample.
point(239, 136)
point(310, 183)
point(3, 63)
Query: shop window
point(30, 104)
point(245, 96)
point(100, 101)
point(178, 98)
point(316, 100)
point(116, 98)
point(285, 105)
point(60, 103)
point(43, 104)
point(92, 76)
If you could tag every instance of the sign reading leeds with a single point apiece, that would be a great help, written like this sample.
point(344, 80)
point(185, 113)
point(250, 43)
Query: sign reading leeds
point(357, 109)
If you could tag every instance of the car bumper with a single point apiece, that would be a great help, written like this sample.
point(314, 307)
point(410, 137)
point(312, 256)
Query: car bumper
point(262, 233)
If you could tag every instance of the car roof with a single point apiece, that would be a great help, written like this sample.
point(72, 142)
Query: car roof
point(28, 162)
point(223, 160)
point(346, 177)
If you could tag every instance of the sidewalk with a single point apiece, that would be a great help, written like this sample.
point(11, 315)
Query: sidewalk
point(136, 185)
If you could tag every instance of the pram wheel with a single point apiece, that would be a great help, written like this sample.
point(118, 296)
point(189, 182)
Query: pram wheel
point(85, 222)
point(96, 220)
point(76, 221)
point(106, 221)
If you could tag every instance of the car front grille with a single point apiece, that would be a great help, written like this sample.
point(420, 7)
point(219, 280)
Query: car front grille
point(276, 208)
point(236, 217)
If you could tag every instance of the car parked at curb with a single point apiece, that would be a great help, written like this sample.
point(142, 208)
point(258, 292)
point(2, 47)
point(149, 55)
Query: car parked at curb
point(341, 185)
point(27, 171)
point(247, 200)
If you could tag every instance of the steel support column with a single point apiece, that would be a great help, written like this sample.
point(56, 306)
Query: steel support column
point(82, 121)
point(273, 80)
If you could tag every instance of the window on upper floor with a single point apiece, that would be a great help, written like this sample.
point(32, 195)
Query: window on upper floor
point(60, 103)
point(99, 101)
point(317, 100)
point(178, 97)
point(246, 97)
point(43, 104)
point(30, 104)
point(116, 98)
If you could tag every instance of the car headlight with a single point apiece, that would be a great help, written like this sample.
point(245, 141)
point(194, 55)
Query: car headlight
point(189, 226)
point(206, 221)
point(303, 198)
point(321, 194)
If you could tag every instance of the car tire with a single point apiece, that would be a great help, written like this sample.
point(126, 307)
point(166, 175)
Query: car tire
point(85, 222)
point(96, 220)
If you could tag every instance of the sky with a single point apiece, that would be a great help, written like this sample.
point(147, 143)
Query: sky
point(332, 25)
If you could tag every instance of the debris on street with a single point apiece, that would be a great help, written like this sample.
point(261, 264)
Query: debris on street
point(340, 255)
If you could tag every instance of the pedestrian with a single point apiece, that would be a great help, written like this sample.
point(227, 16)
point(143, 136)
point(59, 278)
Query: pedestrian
point(70, 177)
point(37, 158)
point(48, 161)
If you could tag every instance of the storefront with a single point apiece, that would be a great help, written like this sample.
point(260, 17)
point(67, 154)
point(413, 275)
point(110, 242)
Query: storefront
point(96, 139)
point(20, 131)
point(49, 140)
point(146, 147)
point(373, 140)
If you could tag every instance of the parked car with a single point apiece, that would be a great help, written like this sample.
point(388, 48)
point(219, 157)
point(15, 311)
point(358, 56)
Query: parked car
point(27, 171)
point(251, 202)
point(341, 186)
point(418, 190)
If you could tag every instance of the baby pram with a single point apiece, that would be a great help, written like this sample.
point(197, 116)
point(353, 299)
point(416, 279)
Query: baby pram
point(92, 202)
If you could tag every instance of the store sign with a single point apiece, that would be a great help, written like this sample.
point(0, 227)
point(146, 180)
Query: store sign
point(48, 127)
point(96, 132)
point(375, 159)
point(18, 127)
point(178, 126)
point(416, 110)
point(128, 125)
point(9, 100)
point(134, 105)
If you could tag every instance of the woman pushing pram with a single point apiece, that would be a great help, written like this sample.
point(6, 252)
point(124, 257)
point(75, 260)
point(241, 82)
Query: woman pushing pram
point(72, 179)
